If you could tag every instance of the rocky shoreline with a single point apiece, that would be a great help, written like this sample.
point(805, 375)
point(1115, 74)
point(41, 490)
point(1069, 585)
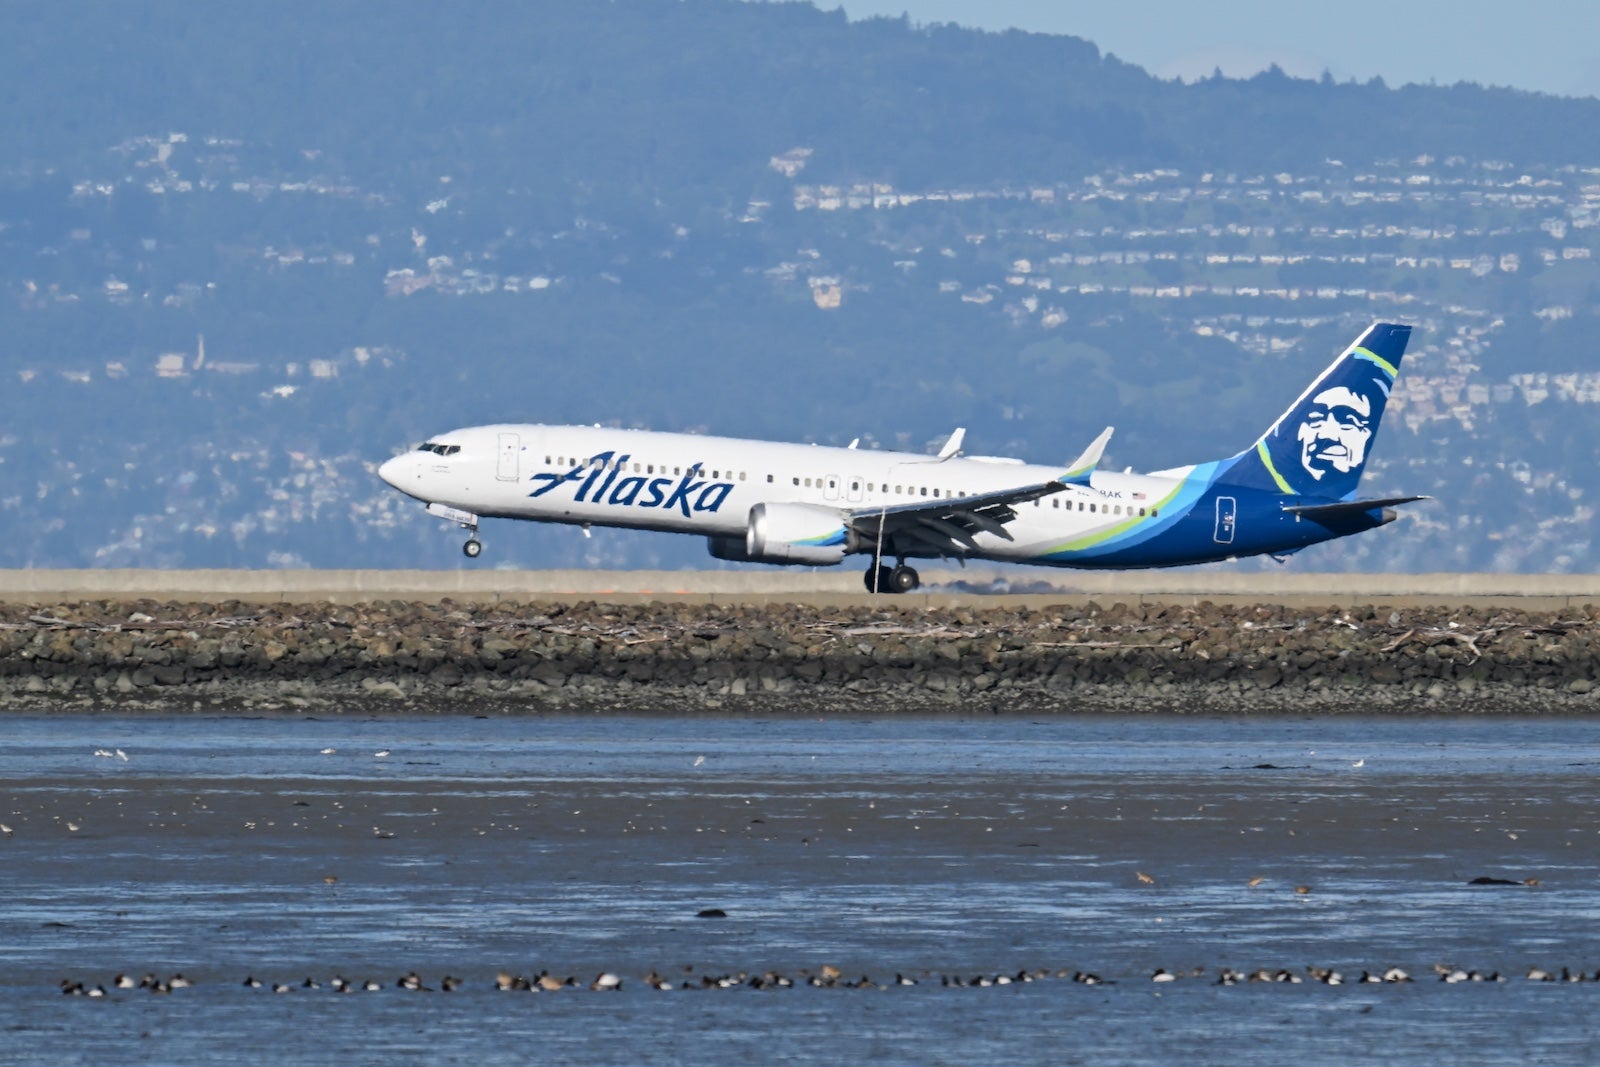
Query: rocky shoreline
point(443, 657)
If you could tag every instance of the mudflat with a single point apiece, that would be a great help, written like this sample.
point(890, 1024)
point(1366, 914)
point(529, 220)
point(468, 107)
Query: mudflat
point(708, 853)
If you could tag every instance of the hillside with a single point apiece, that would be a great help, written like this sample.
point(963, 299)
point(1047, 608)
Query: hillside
point(649, 213)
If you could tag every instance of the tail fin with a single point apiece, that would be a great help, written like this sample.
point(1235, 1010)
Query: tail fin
point(1320, 446)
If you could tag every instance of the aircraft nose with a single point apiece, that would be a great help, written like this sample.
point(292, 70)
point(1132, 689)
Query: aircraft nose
point(393, 470)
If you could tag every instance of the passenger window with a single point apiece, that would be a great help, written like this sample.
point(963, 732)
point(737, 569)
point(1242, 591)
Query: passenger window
point(797, 481)
point(1141, 512)
point(769, 479)
point(1091, 509)
point(924, 490)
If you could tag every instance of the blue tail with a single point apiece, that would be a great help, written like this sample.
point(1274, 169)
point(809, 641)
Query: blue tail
point(1319, 447)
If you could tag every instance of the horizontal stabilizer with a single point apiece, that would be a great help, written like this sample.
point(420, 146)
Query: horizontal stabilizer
point(1348, 507)
point(1082, 467)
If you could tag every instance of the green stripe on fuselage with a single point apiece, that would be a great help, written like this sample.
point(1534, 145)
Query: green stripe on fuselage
point(1266, 461)
point(1102, 536)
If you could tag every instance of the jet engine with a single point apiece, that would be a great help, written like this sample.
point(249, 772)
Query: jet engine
point(789, 533)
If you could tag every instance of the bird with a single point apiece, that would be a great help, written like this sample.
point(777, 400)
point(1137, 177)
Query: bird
point(1144, 878)
point(1362, 762)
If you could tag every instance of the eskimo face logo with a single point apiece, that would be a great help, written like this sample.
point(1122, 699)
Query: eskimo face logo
point(598, 483)
point(1335, 433)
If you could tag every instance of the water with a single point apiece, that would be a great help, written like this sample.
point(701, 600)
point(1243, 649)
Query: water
point(934, 848)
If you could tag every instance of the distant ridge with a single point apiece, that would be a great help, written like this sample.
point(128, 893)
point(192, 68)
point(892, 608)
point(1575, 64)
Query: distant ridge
point(663, 91)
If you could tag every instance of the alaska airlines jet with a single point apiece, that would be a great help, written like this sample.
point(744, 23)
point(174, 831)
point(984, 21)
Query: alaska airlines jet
point(769, 502)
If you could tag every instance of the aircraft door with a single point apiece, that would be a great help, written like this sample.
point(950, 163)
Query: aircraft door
point(507, 466)
point(830, 487)
point(853, 489)
point(1227, 516)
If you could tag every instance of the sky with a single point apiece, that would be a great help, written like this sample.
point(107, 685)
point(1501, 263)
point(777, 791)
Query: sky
point(1549, 46)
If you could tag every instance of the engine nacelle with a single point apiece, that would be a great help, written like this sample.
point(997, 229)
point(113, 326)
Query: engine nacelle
point(789, 533)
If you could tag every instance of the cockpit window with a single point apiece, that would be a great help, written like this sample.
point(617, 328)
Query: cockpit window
point(437, 449)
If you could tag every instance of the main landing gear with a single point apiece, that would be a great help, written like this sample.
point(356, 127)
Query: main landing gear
point(473, 548)
point(886, 579)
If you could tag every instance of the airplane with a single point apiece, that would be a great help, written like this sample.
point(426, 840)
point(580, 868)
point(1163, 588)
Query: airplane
point(773, 502)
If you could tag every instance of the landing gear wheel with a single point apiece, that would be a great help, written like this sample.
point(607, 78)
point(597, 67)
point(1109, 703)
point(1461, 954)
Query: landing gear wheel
point(880, 579)
point(472, 548)
point(903, 579)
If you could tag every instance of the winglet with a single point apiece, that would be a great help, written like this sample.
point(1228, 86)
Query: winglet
point(952, 447)
point(1082, 467)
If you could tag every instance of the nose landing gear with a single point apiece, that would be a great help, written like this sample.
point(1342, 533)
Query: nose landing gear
point(464, 519)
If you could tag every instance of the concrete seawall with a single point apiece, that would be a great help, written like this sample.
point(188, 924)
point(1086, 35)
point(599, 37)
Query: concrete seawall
point(942, 588)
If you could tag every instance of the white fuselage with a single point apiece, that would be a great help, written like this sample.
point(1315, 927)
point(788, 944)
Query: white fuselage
point(686, 483)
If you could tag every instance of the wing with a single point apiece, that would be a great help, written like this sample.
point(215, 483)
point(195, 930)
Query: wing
point(949, 526)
